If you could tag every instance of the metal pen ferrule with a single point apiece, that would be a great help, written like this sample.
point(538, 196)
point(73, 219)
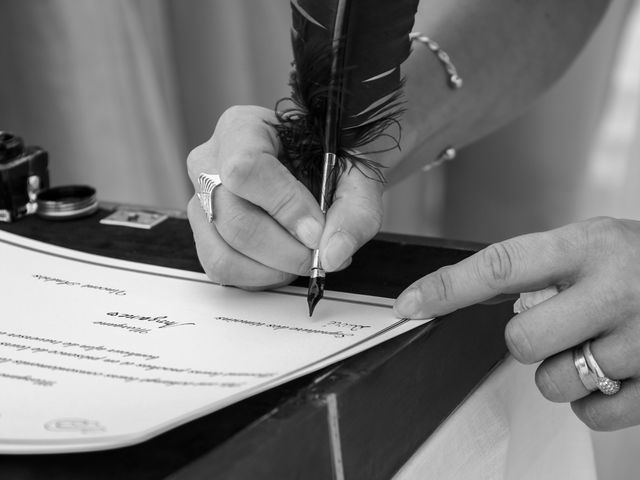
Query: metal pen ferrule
point(329, 162)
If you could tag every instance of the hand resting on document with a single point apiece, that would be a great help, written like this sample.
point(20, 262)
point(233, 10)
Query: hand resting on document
point(595, 267)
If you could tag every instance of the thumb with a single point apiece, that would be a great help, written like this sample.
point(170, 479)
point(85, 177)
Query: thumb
point(353, 219)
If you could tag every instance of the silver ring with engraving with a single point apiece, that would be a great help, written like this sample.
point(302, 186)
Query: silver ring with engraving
point(606, 385)
point(207, 183)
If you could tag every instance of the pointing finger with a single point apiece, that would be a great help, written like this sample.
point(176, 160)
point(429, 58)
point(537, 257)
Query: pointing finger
point(525, 263)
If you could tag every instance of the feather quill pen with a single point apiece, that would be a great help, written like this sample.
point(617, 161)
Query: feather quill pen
point(346, 93)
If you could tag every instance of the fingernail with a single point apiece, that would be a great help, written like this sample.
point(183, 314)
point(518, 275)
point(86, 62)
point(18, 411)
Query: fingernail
point(340, 247)
point(408, 304)
point(309, 231)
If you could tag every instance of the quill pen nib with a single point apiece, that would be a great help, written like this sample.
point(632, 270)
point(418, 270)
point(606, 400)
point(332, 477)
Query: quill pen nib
point(316, 289)
point(316, 279)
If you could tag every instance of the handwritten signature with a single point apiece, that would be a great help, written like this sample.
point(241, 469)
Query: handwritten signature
point(163, 320)
point(81, 425)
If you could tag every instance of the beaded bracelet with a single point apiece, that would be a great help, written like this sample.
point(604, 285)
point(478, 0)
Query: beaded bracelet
point(454, 81)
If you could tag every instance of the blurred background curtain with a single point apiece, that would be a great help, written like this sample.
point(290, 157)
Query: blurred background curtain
point(119, 91)
point(94, 83)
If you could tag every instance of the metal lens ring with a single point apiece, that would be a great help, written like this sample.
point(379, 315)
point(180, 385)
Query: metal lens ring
point(67, 202)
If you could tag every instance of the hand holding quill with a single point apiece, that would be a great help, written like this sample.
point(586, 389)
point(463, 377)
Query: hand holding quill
point(265, 219)
point(346, 93)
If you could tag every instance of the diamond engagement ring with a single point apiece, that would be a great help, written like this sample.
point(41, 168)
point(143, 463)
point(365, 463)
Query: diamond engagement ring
point(590, 373)
point(207, 183)
point(605, 384)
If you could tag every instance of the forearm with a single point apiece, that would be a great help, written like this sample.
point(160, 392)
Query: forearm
point(507, 52)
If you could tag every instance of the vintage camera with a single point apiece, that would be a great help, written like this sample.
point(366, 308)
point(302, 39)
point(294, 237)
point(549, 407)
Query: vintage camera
point(23, 173)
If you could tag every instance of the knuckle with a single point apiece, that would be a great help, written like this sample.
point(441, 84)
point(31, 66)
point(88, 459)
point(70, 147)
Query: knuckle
point(622, 295)
point(564, 241)
point(239, 168)
point(627, 344)
point(603, 224)
point(620, 358)
point(231, 115)
point(600, 231)
point(496, 264)
point(284, 200)
point(518, 342)
point(602, 239)
point(440, 286)
point(243, 117)
point(241, 231)
point(615, 302)
point(547, 385)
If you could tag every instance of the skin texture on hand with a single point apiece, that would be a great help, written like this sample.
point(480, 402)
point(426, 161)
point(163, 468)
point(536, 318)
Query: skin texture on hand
point(266, 223)
point(595, 266)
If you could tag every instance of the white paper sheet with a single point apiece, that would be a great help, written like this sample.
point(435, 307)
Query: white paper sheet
point(97, 353)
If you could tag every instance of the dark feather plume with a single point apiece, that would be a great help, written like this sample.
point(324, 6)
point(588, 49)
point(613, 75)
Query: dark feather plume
point(346, 84)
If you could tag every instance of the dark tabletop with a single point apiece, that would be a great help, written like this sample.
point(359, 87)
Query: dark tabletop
point(390, 398)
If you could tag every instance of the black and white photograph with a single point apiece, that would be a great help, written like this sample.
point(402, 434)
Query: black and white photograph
point(319, 239)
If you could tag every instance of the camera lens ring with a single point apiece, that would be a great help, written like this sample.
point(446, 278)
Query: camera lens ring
point(67, 202)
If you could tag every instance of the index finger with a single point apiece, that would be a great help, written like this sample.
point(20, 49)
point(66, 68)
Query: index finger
point(525, 263)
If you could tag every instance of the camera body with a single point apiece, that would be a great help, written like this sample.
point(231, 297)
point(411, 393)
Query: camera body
point(23, 173)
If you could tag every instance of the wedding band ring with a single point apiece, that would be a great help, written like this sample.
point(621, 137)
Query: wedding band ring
point(587, 377)
point(208, 183)
point(605, 384)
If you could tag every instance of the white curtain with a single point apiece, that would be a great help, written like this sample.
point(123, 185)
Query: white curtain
point(120, 90)
point(91, 82)
point(612, 183)
point(534, 174)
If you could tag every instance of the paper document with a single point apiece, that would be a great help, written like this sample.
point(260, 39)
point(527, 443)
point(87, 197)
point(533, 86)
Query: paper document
point(97, 353)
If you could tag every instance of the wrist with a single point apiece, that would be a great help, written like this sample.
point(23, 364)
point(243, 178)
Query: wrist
point(433, 84)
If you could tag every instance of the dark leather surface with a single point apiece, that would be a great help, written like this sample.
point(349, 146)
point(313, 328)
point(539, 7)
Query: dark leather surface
point(391, 398)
